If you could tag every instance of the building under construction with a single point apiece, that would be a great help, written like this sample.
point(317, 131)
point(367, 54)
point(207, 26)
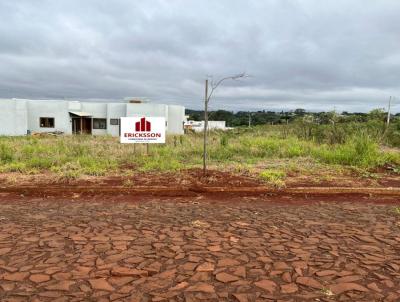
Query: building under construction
point(21, 116)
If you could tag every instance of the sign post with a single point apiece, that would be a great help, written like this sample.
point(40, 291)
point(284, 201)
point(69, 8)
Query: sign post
point(142, 130)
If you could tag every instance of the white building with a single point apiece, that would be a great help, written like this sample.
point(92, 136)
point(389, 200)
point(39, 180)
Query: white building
point(198, 126)
point(21, 117)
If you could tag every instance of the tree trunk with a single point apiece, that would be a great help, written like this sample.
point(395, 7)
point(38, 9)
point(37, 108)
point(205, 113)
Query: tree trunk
point(205, 129)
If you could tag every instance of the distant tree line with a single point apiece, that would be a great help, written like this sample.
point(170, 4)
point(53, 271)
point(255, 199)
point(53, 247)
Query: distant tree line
point(242, 118)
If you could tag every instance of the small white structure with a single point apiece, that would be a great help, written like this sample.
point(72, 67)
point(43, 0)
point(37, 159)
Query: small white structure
point(198, 126)
point(21, 117)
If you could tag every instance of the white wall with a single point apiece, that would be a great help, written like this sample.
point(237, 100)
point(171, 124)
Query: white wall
point(21, 118)
point(198, 126)
point(147, 109)
point(74, 106)
point(216, 125)
point(13, 117)
point(173, 114)
point(176, 118)
point(18, 116)
point(97, 110)
point(115, 110)
point(56, 109)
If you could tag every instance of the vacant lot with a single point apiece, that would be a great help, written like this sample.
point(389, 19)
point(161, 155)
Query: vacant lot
point(198, 250)
point(266, 152)
point(61, 243)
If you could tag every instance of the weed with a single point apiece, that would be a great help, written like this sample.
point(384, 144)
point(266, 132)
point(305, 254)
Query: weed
point(70, 170)
point(273, 177)
point(127, 183)
point(241, 149)
point(327, 292)
point(6, 153)
point(199, 224)
point(224, 140)
point(239, 168)
point(367, 174)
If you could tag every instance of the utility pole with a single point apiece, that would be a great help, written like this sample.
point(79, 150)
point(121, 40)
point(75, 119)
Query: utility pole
point(206, 99)
point(388, 115)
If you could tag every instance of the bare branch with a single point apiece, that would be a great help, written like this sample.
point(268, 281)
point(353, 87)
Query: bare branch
point(214, 86)
point(206, 101)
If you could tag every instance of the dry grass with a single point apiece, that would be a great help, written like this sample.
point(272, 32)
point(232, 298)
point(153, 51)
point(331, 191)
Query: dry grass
point(240, 150)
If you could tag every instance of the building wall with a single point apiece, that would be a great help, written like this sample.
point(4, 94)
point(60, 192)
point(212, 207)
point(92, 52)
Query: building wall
point(216, 125)
point(147, 109)
point(74, 106)
point(173, 114)
point(198, 126)
point(176, 118)
point(13, 117)
point(97, 110)
point(19, 116)
point(59, 110)
point(115, 111)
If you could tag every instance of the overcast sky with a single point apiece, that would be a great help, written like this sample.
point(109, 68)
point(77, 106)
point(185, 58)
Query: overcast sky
point(312, 54)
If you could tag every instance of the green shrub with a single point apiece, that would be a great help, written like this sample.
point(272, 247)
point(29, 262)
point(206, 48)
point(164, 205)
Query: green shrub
point(6, 153)
point(224, 140)
point(159, 164)
point(41, 163)
point(273, 177)
point(14, 167)
point(358, 151)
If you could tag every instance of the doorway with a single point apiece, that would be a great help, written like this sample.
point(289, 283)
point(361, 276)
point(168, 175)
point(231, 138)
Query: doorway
point(82, 125)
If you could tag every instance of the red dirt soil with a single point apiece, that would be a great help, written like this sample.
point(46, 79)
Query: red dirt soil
point(222, 185)
point(195, 177)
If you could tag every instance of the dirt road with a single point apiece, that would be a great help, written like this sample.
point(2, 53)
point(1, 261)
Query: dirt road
point(195, 249)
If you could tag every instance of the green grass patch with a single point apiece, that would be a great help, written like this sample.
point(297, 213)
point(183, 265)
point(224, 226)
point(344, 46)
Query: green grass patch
point(74, 156)
point(273, 177)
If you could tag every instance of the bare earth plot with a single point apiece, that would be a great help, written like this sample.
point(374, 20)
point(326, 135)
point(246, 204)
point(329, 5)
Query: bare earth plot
point(198, 249)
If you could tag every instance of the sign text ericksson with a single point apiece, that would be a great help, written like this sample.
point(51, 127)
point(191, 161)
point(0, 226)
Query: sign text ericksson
point(143, 130)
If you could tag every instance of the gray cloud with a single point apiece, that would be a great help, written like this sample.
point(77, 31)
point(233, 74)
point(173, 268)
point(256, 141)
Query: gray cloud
point(306, 53)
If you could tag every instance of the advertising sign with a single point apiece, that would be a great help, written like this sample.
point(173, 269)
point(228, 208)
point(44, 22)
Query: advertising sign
point(143, 130)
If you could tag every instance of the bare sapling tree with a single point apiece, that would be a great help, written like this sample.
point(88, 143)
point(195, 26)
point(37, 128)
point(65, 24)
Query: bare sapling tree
point(207, 98)
point(387, 124)
point(388, 115)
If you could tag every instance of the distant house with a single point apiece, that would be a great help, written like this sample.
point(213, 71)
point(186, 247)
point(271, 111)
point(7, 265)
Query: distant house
point(21, 117)
point(198, 126)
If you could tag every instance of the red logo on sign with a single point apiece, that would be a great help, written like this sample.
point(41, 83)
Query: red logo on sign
point(143, 125)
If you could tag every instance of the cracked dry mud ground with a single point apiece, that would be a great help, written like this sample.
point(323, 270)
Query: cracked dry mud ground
point(186, 250)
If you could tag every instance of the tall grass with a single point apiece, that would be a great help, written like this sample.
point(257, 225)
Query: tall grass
point(72, 156)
